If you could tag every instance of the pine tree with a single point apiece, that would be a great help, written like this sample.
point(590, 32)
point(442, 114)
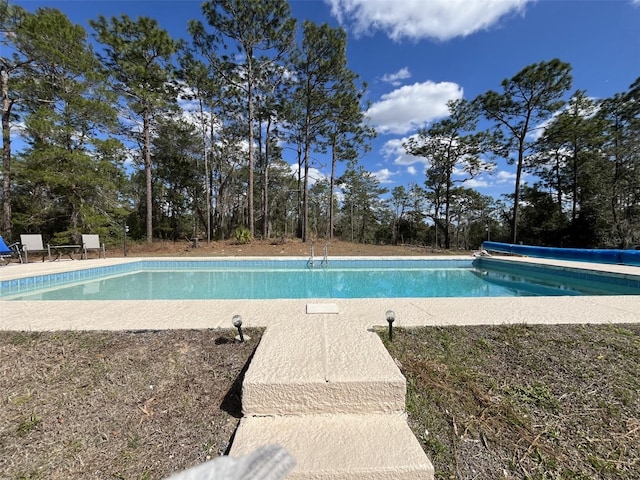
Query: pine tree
point(137, 57)
point(527, 99)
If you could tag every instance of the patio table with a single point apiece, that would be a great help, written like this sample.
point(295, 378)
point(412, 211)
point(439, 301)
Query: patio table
point(67, 250)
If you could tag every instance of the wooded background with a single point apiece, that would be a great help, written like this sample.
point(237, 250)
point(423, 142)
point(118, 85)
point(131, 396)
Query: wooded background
point(183, 138)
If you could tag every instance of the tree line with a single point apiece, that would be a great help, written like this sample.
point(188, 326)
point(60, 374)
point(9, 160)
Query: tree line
point(184, 138)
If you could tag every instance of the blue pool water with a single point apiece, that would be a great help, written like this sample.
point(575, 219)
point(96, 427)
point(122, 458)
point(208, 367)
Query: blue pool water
point(192, 280)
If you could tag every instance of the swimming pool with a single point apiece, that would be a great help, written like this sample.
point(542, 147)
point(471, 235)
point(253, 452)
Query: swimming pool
point(293, 279)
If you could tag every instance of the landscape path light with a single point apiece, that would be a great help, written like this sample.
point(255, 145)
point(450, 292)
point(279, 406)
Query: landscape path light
point(391, 317)
point(237, 322)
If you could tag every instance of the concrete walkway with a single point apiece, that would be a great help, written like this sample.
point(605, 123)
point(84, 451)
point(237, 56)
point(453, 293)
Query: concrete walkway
point(321, 385)
point(331, 395)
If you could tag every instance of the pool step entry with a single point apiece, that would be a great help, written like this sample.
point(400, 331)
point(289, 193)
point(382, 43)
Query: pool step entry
point(331, 395)
point(321, 365)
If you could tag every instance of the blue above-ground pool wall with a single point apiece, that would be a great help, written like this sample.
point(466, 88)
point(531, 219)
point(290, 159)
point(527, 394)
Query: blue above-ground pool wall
point(596, 255)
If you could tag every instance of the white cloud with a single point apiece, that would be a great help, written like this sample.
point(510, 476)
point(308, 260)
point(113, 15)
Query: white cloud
point(394, 150)
point(413, 106)
point(477, 182)
point(196, 119)
point(411, 170)
point(419, 19)
point(315, 175)
point(395, 78)
point(384, 175)
point(587, 110)
point(504, 177)
point(458, 171)
point(18, 130)
point(538, 131)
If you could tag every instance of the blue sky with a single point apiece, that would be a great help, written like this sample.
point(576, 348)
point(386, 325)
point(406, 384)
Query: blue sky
point(416, 55)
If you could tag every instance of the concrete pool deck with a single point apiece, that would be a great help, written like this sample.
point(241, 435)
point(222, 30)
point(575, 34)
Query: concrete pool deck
point(173, 314)
point(320, 384)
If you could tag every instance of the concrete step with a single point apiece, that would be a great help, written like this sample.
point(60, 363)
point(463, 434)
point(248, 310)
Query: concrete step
point(322, 364)
point(339, 447)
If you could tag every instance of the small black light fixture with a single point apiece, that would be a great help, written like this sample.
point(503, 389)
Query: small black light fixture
point(391, 317)
point(237, 322)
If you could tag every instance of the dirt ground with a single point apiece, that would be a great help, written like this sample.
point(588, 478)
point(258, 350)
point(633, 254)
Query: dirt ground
point(126, 405)
point(525, 401)
point(506, 402)
point(275, 248)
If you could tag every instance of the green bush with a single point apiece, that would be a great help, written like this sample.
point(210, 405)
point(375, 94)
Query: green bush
point(242, 235)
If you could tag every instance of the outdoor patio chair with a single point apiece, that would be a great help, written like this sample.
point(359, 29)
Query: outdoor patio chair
point(8, 251)
point(92, 242)
point(32, 243)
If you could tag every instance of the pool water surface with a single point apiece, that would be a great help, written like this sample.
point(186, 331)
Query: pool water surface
point(196, 280)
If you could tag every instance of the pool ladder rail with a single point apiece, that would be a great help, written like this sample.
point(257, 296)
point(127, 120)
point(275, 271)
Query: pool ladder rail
point(325, 259)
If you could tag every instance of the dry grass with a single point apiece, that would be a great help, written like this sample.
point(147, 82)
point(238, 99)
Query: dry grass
point(275, 248)
point(508, 402)
point(126, 405)
point(525, 402)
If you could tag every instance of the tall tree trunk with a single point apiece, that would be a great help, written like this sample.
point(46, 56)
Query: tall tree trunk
point(6, 156)
point(305, 200)
point(207, 182)
point(147, 169)
point(558, 183)
point(519, 167)
point(332, 181)
point(251, 147)
point(265, 183)
point(305, 188)
point(574, 180)
point(447, 213)
point(516, 198)
point(299, 191)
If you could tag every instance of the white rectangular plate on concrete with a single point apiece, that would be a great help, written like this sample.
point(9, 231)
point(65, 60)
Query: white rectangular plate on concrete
point(322, 308)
